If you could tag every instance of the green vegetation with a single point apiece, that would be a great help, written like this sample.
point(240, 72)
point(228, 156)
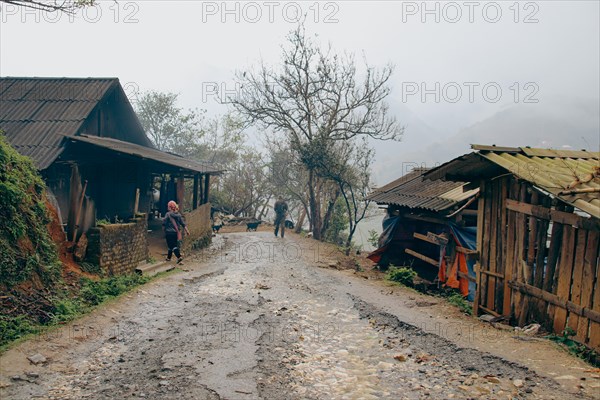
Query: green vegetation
point(91, 294)
point(403, 275)
point(25, 243)
point(373, 238)
point(337, 224)
point(91, 268)
point(457, 299)
point(12, 328)
point(576, 348)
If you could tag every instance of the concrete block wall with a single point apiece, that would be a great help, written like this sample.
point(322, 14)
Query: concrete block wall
point(119, 248)
point(199, 225)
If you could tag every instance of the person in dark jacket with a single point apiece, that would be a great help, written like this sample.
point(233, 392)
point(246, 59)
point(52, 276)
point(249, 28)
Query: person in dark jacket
point(281, 209)
point(174, 226)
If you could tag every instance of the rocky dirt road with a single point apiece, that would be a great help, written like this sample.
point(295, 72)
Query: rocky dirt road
point(259, 318)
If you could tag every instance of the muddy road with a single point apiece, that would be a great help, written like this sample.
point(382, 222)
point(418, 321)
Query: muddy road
point(260, 318)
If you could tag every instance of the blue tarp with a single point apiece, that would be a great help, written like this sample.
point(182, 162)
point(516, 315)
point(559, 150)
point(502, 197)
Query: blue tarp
point(389, 224)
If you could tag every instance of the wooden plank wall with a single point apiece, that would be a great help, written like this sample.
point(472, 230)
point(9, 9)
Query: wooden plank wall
point(538, 262)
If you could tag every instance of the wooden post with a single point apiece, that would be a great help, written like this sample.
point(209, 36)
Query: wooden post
point(206, 187)
point(78, 212)
point(136, 204)
point(75, 187)
point(180, 192)
point(480, 226)
point(195, 194)
point(200, 190)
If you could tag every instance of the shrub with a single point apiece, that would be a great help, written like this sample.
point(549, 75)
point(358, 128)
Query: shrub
point(403, 275)
point(576, 348)
point(459, 301)
point(25, 243)
point(12, 328)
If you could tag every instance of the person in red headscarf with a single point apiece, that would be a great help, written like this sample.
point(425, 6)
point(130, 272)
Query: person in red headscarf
point(174, 226)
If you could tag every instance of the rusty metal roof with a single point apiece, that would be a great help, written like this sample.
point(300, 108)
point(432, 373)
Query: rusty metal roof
point(558, 172)
point(413, 192)
point(144, 152)
point(36, 113)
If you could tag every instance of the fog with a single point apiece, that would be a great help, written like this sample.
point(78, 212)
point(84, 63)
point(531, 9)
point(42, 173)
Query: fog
point(508, 73)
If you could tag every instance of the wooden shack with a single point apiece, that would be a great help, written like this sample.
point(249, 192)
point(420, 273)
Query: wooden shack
point(538, 235)
point(422, 217)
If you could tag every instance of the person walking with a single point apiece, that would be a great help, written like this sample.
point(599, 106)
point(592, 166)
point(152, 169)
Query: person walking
point(281, 209)
point(174, 226)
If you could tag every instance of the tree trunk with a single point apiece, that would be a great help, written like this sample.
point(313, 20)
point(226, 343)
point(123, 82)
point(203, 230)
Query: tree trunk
point(315, 209)
point(264, 209)
point(349, 240)
point(329, 213)
point(300, 221)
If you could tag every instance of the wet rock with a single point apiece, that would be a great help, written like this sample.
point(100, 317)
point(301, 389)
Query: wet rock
point(37, 359)
point(518, 383)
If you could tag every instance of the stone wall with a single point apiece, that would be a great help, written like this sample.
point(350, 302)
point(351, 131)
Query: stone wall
point(199, 225)
point(119, 248)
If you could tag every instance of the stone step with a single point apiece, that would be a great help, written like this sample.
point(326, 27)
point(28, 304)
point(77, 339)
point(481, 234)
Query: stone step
point(153, 269)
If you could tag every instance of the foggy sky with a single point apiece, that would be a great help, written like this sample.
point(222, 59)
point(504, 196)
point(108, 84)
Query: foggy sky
point(547, 50)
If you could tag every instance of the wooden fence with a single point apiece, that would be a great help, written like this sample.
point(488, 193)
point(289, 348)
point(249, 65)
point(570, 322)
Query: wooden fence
point(538, 261)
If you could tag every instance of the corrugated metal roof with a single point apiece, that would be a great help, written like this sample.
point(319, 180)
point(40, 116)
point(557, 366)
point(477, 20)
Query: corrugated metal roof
point(413, 192)
point(147, 153)
point(35, 113)
point(555, 171)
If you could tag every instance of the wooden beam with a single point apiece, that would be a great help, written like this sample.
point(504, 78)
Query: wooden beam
point(466, 251)
point(425, 238)
point(206, 187)
point(555, 300)
point(195, 193)
point(494, 274)
point(480, 226)
point(426, 219)
point(136, 203)
point(180, 192)
point(487, 310)
point(437, 239)
point(466, 276)
point(561, 217)
point(431, 261)
point(200, 190)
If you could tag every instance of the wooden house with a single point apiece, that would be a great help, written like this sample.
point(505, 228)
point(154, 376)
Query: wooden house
point(89, 146)
point(538, 230)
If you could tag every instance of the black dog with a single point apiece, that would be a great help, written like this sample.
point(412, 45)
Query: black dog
point(251, 226)
point(289, 224)
point(216, 228)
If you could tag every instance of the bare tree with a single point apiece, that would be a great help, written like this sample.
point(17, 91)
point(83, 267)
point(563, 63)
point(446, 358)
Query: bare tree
point(66, 6)
point(314, 98)
point(348, 165)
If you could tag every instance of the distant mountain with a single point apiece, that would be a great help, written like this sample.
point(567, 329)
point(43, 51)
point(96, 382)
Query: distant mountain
point(573, 124)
